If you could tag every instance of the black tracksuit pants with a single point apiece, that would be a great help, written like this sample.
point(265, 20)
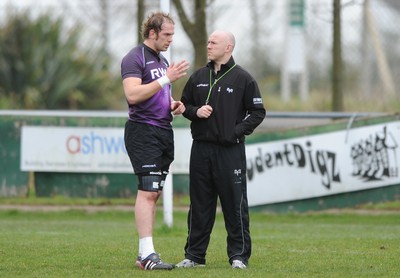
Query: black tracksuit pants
point(218, 171)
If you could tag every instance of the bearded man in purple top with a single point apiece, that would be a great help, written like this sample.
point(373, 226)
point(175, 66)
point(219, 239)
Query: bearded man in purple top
point(147, 79)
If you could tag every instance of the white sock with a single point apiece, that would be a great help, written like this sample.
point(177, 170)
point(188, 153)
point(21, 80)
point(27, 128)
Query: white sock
point(146, 247)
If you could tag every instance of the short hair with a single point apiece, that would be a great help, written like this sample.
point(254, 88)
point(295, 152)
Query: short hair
point(154, 22)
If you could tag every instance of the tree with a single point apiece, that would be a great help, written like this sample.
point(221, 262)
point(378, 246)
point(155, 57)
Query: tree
point(140, 18)
point(196, 29)
point(42, 66)
point(337, 68)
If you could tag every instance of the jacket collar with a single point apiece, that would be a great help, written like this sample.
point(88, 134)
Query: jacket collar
point(224, 67)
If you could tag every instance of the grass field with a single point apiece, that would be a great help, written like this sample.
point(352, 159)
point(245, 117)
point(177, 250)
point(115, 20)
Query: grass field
point(78, 243)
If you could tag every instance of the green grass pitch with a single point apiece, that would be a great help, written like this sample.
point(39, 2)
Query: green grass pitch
point(78, 243)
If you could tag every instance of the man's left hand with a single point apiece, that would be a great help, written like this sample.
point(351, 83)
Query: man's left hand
point(177, 107)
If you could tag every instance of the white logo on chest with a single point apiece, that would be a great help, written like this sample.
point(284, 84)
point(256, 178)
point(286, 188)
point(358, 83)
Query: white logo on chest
point(157, 73)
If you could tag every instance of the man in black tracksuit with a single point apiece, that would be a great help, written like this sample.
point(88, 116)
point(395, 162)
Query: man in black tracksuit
point(224, 104)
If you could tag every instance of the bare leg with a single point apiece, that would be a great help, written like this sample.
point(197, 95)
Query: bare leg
point(145, 210)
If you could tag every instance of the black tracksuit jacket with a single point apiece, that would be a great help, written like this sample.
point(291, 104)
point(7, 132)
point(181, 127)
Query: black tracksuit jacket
point(236, 101)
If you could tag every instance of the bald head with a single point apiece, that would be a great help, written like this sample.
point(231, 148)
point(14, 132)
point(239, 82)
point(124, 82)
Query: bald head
point(225, 36)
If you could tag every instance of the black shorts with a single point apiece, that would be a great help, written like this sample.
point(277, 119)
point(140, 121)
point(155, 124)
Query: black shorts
point(150, 148)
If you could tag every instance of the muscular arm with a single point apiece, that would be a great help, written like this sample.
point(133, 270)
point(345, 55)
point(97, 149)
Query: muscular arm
point(136, 92)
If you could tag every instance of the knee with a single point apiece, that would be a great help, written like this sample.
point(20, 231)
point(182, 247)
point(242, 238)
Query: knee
point(149, 196)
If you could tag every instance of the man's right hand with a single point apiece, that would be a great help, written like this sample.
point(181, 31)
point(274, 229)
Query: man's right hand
point(204, 111)
point(176, 71)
